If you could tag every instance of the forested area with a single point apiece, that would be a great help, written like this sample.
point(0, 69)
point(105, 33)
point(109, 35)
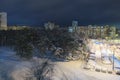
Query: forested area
point(59, 42)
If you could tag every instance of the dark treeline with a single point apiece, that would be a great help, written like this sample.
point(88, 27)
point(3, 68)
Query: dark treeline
point(25, 42)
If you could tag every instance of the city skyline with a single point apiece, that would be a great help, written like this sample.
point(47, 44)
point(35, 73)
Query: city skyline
point(62, 12)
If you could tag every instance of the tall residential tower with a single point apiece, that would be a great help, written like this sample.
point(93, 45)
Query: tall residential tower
point(3, 21)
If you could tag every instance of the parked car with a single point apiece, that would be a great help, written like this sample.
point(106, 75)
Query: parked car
point(106, 60)
point(117, 70)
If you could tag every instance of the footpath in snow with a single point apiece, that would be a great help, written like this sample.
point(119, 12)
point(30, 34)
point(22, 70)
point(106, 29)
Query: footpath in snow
point(12, 66)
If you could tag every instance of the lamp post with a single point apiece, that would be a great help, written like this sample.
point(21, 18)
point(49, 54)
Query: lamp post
point(113, 57)
point(113, 61)
point(114, 52)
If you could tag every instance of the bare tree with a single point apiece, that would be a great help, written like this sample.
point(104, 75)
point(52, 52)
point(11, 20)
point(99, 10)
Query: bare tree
point(41, 71)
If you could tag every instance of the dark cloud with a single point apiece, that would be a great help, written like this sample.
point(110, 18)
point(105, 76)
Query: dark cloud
point(36, 12)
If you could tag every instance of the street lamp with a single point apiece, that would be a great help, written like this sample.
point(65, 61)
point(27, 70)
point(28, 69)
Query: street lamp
point(114, 52)
point(113, 61)
point(113, 57)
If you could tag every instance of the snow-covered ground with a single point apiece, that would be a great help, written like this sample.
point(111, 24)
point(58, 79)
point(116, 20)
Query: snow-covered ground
point(9, 62)
point(73, 71)
point(12, 66)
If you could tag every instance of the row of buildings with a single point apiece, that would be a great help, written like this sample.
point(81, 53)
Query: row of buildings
point(94, 31)
point(87, 30)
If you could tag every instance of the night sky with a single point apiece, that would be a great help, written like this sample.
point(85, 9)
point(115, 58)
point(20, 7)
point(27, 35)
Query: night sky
point(62, 12)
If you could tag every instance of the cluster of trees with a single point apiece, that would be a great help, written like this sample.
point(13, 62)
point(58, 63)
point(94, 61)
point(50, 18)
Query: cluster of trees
point(57, 41)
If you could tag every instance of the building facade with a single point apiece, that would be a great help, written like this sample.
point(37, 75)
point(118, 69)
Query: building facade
point(75, 25)
point(3, 21)
point(50, 26)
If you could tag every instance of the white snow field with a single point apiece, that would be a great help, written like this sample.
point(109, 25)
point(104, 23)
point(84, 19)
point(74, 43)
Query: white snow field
point(12, 68)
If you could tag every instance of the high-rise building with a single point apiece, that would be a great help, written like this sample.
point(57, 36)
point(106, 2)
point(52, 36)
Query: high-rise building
point(74, 25)
point(3, 21)
point(50, 26)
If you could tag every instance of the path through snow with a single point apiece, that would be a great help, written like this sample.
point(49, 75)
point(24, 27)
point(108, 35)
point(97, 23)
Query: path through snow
point(10, 65)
